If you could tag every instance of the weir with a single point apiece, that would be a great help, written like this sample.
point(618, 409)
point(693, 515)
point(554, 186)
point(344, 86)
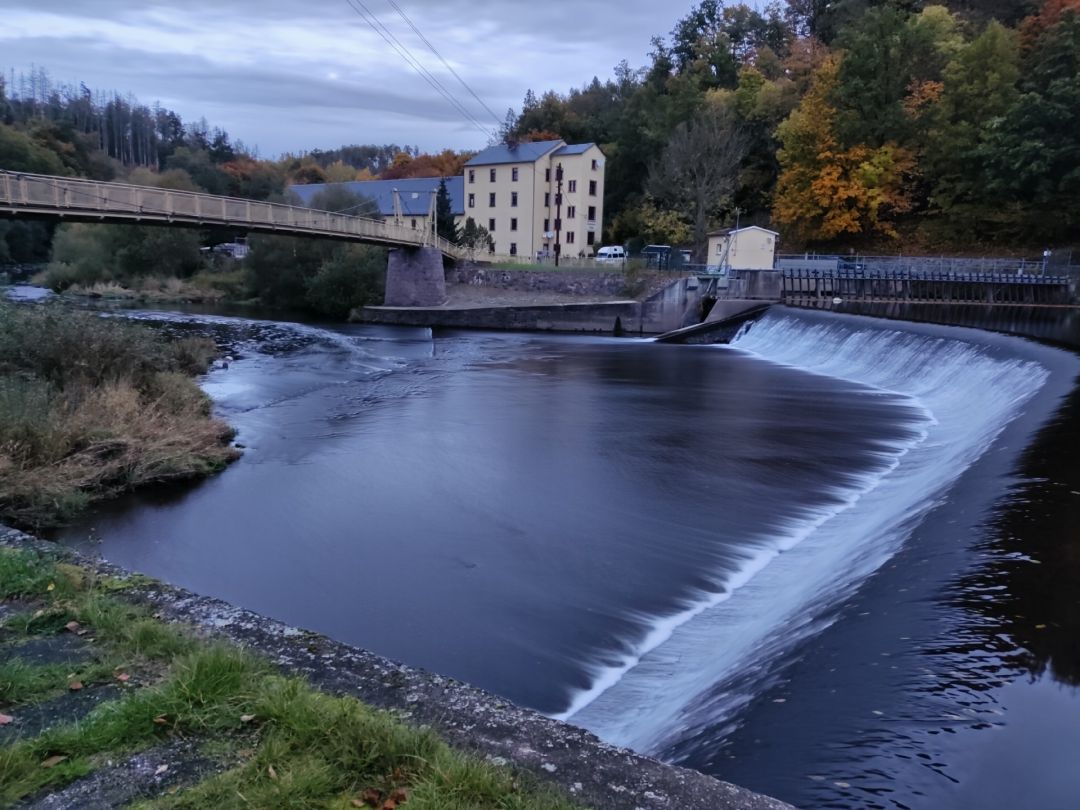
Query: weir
point(675, 684)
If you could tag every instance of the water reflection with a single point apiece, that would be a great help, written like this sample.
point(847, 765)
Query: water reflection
point(1026, 598)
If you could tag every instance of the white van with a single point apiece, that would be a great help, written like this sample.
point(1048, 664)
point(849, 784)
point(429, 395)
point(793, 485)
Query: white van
point(611, 254)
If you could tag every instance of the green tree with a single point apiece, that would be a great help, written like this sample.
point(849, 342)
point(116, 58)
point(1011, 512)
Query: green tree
point(444, 214)
point(1033, 154)
point(979, 90)
point(19, 153)
point(474, 238)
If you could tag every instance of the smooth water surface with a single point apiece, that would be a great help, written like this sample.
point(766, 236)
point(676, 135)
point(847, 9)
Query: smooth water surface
point(648, 540)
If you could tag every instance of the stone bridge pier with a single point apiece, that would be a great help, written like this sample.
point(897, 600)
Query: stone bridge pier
point(415, 278)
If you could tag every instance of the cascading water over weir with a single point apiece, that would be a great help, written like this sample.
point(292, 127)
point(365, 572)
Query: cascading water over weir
point(690, 671)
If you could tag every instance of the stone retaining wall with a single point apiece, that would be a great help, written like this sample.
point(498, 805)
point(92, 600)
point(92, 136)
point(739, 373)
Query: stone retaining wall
point(602, 283)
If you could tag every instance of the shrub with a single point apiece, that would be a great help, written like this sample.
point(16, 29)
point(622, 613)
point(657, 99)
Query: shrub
point(90, 406)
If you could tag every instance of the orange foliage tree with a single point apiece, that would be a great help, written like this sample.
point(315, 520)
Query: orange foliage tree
point(826, 189)
point(447, 163)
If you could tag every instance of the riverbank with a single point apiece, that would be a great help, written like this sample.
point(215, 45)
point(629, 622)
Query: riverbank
point(155, 671)
point(91, 407)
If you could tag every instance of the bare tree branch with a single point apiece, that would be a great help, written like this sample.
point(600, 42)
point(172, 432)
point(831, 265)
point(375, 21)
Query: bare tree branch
point(699, 168)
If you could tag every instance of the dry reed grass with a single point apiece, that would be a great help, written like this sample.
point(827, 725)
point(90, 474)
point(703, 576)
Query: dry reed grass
point(90, 407)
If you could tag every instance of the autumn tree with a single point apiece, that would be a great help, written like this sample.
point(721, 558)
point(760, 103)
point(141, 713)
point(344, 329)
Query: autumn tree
point(826, 190)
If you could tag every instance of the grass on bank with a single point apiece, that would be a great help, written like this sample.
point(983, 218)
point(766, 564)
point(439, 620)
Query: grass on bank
point(92, 406)
point(284, 743)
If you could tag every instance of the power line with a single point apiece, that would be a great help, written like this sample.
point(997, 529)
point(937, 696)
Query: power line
point(449, 67)
point(365, 13)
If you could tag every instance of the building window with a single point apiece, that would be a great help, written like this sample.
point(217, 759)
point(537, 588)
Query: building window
point(414, 223)
point(558, 224)
point(592, 213)
point(592, 188)
point(590, 237)
point(513, 248)
point(472, 175)
point(571, 211)
point(492, 175)
point(513, 199)
point(513, 223)
point(547, 199)
point(491, 200)
point(491, 246)
point(547, 225)
point(491, 225)
point(472, 201)
point(595, 165)
point(514, 174)
point(572, 186)
point(547, 175)
point(569, 237)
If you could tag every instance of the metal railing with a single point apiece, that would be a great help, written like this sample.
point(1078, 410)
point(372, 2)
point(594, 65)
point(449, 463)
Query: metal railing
point(858, 283)
point(77, 199)
point(922, 264)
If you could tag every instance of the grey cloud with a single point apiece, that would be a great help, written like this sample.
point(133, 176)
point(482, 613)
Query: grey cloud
point(503, 48)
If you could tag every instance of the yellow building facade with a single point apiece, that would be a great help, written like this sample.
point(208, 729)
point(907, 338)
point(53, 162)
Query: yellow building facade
point(750, 248)
point(539, 198)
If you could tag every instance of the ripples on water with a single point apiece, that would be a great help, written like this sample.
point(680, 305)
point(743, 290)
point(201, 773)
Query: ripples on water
point(706, 553)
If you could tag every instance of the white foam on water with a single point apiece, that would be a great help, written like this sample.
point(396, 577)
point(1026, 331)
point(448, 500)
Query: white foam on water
point(966, 392)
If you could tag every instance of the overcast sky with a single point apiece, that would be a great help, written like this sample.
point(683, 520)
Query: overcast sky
point(286, 75)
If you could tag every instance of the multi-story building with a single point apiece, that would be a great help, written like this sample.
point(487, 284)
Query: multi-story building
point(538, 199)
point(535, 199)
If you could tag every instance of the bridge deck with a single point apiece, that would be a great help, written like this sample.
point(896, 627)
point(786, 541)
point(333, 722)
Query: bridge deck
point(74, 199)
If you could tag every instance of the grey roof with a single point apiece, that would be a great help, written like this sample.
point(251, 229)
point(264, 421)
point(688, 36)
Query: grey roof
point(522, 153)
point(573, 149)
point(726, 231)
point(415, 193)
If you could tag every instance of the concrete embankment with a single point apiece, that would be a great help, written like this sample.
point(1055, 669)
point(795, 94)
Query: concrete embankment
point(591, 772)
point(568, 301)
point(721, 325)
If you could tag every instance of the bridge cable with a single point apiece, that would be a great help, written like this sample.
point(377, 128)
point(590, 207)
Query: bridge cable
point(426, 41)
point(373, 22)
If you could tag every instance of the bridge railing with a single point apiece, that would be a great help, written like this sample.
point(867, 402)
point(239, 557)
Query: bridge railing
point(45, 193)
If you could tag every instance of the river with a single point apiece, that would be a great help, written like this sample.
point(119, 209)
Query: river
point(835, 562)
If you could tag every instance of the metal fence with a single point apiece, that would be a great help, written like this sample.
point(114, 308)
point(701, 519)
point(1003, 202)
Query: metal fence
point(925, 285)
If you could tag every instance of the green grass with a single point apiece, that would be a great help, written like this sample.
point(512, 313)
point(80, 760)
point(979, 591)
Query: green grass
point(287, 744)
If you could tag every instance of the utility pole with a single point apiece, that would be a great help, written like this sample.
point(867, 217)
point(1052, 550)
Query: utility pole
point(558, 210)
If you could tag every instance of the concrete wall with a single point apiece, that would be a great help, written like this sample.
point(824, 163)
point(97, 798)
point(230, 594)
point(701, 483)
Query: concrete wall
point(763, 285)
point(556, 317)
point(676, 304)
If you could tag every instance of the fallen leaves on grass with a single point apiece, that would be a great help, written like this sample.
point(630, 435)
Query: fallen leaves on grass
point(75, 686)
point(5, 719)
point(53, 761)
